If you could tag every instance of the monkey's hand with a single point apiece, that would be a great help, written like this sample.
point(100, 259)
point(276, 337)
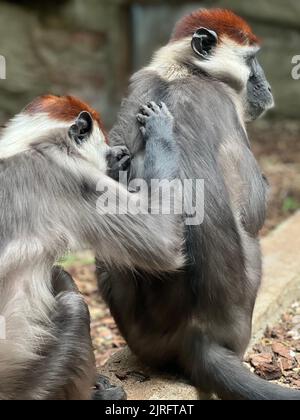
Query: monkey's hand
point(156, 122)
point(118, 160)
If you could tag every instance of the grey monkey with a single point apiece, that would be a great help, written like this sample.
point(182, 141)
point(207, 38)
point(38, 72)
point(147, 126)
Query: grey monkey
point(199, 320)
point(53, 162)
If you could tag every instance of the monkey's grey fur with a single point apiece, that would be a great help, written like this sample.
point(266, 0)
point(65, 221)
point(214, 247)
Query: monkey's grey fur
point(199, 320)
point(48, 207)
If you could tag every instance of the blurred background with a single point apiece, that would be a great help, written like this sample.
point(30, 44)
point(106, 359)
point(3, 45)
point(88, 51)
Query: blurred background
point(89, 48)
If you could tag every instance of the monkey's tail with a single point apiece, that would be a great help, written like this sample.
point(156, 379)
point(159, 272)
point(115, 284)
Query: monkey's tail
point(221, 372)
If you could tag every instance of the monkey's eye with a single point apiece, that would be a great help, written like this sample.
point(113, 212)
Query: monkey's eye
point(82, 129)
point(204, 40)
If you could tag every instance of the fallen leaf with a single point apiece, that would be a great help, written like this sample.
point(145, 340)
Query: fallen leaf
point(283, 351)
point(286, 364)
point(270, 372)
point(258, 360)
point(297, 384)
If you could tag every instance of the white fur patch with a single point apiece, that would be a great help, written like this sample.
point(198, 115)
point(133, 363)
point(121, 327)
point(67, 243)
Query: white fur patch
point(23, 129)
point(94, 150)
point(227, 63)
point(167, 60)
point(228, 60)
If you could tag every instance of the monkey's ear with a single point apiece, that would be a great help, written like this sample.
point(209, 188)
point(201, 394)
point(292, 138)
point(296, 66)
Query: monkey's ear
point(82, 129)
point(204, 40)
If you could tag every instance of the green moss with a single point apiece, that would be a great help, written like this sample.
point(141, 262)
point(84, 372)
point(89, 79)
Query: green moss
point(290, 204)
point(71, 260)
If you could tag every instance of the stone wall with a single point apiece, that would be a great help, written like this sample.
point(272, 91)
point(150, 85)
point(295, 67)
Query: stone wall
point(89, 47)
point(65, 49)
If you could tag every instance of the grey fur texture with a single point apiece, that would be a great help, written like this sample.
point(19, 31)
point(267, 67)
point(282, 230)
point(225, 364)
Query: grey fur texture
point(199, 320)
point(49, 193)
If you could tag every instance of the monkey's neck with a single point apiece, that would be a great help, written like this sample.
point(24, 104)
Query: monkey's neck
point(168, 64)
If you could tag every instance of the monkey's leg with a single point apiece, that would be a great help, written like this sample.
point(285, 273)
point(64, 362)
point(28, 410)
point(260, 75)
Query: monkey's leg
point(77, 331)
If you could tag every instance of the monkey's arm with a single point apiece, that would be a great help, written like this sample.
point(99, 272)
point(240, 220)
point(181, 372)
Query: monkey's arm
point(146, 241)
point(119, 226)
point(161, 151)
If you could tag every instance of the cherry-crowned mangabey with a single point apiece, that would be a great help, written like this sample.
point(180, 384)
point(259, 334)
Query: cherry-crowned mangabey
point(52, 174)
point(200, 319)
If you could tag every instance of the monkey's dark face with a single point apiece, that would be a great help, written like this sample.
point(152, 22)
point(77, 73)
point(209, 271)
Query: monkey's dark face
point(259, 92)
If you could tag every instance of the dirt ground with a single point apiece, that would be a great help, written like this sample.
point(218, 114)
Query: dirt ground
point(277, 356)
point(277, 147)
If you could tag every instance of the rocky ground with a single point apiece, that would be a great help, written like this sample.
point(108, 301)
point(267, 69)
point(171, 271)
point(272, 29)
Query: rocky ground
point(277, 356)
point(277, 147)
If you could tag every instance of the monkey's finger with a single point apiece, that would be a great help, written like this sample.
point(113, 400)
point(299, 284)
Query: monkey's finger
point(142, 119)
point(155, 107)
point(143, 131)
point(121, 164)
point(147, 111)
point(142, 110)
point(165, 108)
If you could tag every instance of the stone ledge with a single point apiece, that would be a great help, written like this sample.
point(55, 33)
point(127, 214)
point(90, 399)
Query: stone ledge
point(281, 281)
point(281, 286)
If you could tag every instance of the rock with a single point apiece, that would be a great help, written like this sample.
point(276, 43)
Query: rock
point(64, 50)
point(141, 383)
point(70, 48)
point(295, 333)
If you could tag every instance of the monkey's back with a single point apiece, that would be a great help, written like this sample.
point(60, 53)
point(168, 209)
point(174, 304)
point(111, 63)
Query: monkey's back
point(213, 287)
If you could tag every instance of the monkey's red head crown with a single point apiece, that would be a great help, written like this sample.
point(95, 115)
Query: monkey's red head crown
point(222, 21)
point(62, 108)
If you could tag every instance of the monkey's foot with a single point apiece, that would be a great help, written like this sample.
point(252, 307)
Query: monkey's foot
point(156, 121)
point(107, 392)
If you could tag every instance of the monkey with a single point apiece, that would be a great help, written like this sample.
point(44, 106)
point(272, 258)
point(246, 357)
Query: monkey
point(198, 320)
point(53, 163)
